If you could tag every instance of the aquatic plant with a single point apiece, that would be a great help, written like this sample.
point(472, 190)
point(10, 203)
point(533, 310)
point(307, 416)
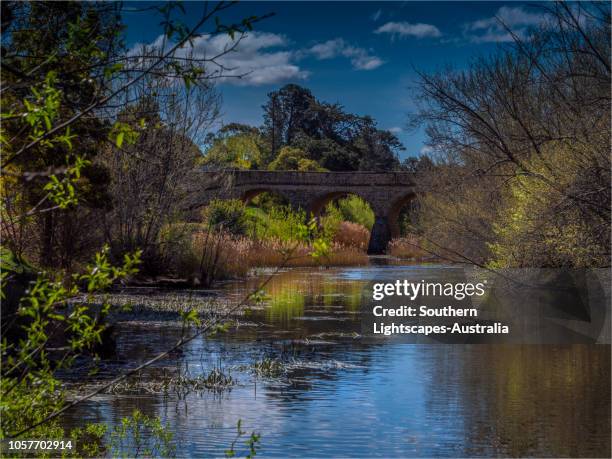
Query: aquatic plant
point(268, 368)
point(252, 442)
point(181, 384)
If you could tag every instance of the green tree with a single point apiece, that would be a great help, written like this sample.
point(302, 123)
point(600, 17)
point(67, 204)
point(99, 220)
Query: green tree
point(522, 173)
point(294, 159)
point(235, 146)
point(336, 140)
point(53, 60)
point(226, 215)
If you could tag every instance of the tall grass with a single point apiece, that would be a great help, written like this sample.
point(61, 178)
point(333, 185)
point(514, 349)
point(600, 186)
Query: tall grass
point(204, 256)
point(216, 250)
point(208, 256)
point(352, 235)
point(407, 247)
point(269, 253)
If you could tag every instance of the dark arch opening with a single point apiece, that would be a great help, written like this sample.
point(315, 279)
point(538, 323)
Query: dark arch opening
point(264, 198)
point(402, 210)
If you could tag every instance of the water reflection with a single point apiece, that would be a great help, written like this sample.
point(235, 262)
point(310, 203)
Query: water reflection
point(342, 396)
point(306, 294)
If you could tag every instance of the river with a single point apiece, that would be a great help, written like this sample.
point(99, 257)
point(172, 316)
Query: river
point(337, 394)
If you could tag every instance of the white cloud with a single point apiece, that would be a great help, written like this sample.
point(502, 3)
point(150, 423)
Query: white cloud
point(360, 58)
point(258, 58)
point(494, 29)
point(395, 130)
point(406, 29)
point(376, 16)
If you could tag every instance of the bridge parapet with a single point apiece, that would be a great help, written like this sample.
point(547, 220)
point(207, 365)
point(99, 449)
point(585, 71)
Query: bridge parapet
point(242, 177)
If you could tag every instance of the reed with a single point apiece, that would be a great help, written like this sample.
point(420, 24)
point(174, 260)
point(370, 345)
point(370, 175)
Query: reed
point(349, 234)
point(407, 247)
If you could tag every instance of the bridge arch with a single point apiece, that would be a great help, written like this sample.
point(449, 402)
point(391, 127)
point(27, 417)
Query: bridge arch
point(394, 213)
point(251, 194)
point(385, 192)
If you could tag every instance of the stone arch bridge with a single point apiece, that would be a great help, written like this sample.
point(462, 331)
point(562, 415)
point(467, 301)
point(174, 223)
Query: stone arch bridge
point(385, 192)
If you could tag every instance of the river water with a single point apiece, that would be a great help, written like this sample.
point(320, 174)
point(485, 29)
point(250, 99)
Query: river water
point(338, 394)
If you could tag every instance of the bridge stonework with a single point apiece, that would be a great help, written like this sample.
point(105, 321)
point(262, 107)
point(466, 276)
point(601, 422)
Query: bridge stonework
point(385, 192)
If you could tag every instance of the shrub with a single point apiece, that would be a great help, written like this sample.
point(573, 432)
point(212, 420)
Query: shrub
point(352, 209)
point(227, 214)
point(288, 159)
point(277, 223)
point(310, 165)
point(350, 234)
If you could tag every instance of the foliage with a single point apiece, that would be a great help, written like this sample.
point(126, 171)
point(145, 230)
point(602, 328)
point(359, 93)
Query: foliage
point(141, 436)
point(352, 209)
point(329, 136)
point(39, 140)
point(228, 214)
point(521, 163)
point(536, 225)
point(67, 84)
point(30, 390)
point(151, 175)
point(279, 222)
point(235, 146)
point(294, 159)
point(217, 250)
point(252, 442)
point(309, 165)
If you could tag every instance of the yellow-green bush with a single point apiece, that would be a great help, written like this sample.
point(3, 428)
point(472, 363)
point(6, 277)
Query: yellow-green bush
point(539, 226)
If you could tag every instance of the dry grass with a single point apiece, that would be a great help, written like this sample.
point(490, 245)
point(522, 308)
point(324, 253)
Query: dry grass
point(353, 235)
point(206, 256)
point(407, 247)
point(271, 253)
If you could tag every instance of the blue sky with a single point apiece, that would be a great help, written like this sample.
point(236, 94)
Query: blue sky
point(362, 55)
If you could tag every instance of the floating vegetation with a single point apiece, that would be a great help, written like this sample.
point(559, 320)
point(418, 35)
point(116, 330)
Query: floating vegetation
point(324, 365)
point(268, 368)
point(180, 385)
point(152, 303)
point(322, 335)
